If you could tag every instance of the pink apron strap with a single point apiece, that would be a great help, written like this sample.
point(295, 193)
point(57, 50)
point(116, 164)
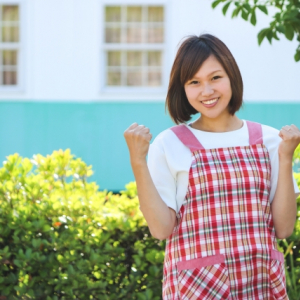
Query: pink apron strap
point(255, 133)
point(187, 137)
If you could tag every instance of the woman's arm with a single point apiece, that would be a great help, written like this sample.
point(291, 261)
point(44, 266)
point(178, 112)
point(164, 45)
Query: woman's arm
point(160, 218)
point(284, 206)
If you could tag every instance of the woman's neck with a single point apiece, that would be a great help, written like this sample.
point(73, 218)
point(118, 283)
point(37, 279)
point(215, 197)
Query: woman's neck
point(225, 124)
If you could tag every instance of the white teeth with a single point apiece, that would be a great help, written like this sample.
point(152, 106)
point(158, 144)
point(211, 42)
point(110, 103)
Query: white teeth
point(210, 101)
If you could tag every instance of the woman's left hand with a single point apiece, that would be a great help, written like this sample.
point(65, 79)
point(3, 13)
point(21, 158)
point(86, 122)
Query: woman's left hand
point(290, 140)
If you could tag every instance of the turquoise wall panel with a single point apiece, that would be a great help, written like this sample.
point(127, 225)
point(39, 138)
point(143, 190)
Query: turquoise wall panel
point(94, 131)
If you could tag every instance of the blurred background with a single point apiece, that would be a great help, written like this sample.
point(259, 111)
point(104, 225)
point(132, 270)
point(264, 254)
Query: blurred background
point(75, 74)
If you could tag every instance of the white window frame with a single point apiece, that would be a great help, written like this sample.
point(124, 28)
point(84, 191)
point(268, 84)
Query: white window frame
point(124, 91)
point(16, 46)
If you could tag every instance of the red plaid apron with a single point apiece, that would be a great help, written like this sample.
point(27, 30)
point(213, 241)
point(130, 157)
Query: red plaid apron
point(224, 244)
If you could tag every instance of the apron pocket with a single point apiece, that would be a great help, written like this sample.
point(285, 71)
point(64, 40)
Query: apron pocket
point(203, 278)
point(277, 276)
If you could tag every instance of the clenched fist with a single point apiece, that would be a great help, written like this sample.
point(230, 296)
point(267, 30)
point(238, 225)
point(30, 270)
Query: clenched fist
point(290, 140)
point(138, 139)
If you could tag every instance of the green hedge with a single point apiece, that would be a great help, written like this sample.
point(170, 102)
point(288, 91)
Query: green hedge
point(61, 238)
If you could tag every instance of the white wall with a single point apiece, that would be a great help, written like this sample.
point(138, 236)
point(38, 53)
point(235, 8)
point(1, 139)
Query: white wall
point(62, 46)
point(269, 71)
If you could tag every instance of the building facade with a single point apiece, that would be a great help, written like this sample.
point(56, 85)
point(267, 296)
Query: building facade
point(75, 74)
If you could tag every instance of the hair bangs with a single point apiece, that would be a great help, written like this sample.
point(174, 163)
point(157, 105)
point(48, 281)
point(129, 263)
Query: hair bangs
point(198, 53)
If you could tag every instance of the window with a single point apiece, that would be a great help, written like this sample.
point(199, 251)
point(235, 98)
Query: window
point(9, 45)
point(134, 44)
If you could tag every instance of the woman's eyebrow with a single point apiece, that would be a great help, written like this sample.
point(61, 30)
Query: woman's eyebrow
point(214, 72)
point(209, 73)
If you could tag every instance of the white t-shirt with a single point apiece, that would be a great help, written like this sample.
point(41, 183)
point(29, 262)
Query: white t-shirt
point(169, 160)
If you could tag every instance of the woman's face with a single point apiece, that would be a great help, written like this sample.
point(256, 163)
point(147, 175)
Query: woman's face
point(209, 91)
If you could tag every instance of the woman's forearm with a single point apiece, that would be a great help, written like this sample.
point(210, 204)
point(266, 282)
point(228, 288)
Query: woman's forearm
point(160, 218)
point(284, 206)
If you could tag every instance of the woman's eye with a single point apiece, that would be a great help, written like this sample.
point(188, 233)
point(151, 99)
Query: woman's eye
point(216, 77)
point(194, 82)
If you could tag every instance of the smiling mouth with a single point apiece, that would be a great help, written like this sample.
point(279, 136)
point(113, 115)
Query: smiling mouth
point(211, 101)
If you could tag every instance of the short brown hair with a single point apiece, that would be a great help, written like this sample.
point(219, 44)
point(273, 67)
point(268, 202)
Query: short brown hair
point(189, 58)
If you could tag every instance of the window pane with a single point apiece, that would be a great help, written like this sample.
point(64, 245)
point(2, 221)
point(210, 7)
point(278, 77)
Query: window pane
point(10, 34)
point(137, 24)
point(113, 14)
point(113, 35)
point(134, 35)
point(134, 58)
point(155, 35)
point(154, 78)
point(113, 78)
point(134, 78)
point(9, 77)
point(114, 58)
point(155, 14)
point(134, 14)
point(9, 57)
point(10, 13)
point(154, 58)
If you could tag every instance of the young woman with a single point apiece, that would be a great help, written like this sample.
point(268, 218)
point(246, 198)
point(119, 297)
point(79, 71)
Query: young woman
point(219, 189)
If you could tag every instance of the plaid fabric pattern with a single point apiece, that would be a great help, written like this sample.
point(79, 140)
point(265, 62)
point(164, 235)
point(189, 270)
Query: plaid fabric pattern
point(226, 211)
point(211, 283)
point(278, 279)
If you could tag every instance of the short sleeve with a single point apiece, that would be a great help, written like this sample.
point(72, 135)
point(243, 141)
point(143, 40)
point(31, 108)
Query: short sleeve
point(162, 176)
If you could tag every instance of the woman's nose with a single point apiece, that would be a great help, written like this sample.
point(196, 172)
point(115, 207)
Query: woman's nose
point(207, 90)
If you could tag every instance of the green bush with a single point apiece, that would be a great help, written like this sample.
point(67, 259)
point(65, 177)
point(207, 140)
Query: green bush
point(61, 238)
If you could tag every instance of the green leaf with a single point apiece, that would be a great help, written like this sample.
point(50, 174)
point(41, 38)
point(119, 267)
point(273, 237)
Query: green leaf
point(149, 294)
point(290, 14)
point(297, 55)
point(295, 22)
point(263, 8)
point(31, 293)
point(216, 3)
point(11, 278)
point(253, 18)
point(247, 7)
point(261, 35)
point(225, 8)
point(245, 15)
point(35, 243)
point(46, 228)
point(280, 29)
point(28, 253)
point(18, 263)
point(270, 36)
point(289, 32)
point(71, 270)
point(236, 11)
point(277, 17)
point(141, 297)
point(275, 36)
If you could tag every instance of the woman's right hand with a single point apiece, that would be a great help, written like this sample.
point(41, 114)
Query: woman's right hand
point(138, 139)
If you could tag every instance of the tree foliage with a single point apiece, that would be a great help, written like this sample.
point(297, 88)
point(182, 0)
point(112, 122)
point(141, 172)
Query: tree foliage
point(286, 19)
